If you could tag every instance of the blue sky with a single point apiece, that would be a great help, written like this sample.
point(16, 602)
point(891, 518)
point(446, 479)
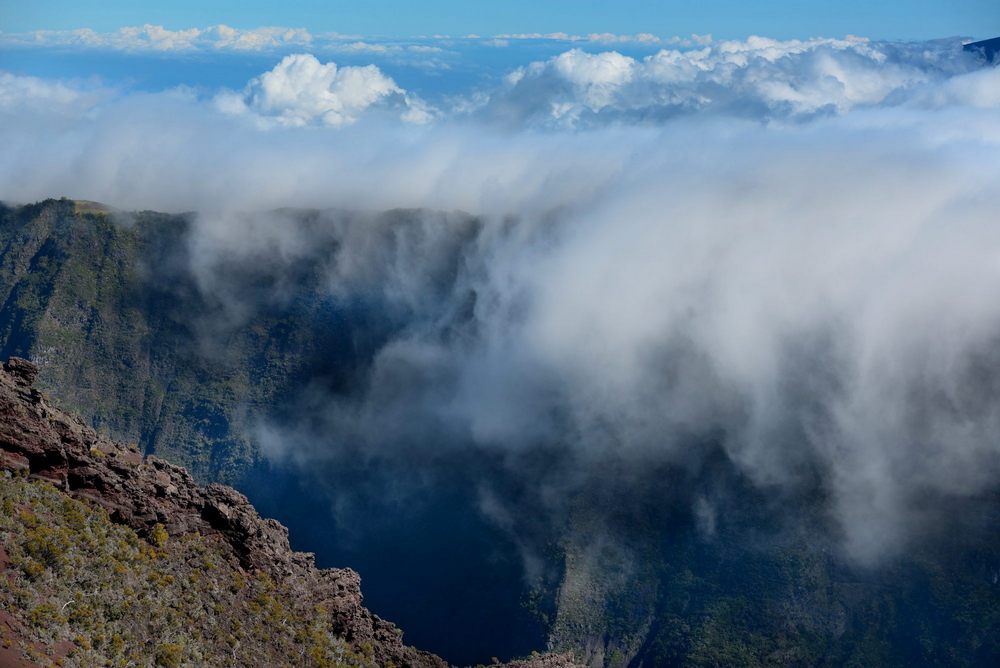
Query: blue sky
point(892, 19)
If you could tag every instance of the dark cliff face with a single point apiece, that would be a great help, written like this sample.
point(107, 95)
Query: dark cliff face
point(161, 501)
point(112, 313)
point(987, 49)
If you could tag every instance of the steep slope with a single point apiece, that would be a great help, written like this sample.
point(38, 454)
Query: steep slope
point(73, 288)
point(213, 583)
point(134, 332)
point(61, 539)
point(114, 309)
point(111, 312)
point(650, 584)
point(81, 585)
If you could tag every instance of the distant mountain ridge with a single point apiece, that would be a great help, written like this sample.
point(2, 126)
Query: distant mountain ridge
point(989, 49)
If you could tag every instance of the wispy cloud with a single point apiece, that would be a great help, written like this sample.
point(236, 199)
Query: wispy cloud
point(33, 92)
point(608, 38)
point(150, 37)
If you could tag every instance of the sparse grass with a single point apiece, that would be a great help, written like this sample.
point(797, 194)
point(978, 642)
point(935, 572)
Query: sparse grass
point(76, 576)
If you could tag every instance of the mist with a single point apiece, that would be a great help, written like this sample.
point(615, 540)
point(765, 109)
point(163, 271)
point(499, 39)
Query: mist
point(822, 308)
point(596, 279)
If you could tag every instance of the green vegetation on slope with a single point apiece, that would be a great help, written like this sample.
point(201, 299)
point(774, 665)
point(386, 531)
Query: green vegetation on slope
point(664, 593)
point(112, 313)
point(72, 573)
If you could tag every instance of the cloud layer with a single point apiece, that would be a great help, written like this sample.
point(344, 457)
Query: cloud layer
point(761, 80)
point(783, 250)
point(829, 322)
point(151, 37)
point(757, 78)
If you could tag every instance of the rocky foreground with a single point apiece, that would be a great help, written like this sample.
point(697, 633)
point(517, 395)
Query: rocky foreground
point(177, 519)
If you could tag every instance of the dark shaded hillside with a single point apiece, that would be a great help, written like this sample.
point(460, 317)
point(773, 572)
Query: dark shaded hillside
point(648, 583)
point(109, 307)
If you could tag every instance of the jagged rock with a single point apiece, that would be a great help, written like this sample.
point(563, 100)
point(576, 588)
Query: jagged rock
point(47, 444)
point(23, 371)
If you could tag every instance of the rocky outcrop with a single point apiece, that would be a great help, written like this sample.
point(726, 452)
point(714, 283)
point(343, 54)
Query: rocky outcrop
point(144, 493)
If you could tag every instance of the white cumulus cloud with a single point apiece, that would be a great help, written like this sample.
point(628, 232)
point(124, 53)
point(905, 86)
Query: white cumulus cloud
point(300, 90)
point(759, 78)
